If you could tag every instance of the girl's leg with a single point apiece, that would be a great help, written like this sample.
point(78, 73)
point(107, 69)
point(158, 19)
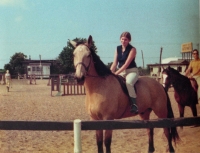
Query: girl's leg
point(131, 79)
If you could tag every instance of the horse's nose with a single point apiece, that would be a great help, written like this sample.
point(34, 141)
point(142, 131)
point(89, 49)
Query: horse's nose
point(78, 75)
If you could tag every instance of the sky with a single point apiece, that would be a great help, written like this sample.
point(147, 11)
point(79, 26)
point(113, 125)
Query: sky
point(43, 27)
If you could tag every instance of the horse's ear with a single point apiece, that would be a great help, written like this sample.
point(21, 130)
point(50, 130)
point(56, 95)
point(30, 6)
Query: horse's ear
point(73, 43)
point(89, 42)
point(168, 67)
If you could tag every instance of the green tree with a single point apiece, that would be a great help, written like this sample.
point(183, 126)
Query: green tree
point(15, 65)
point(66, 57)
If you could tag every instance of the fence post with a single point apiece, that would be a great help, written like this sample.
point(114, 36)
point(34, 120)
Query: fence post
point(77, 136)
point(49, 81)
point(31, 79)
point(59, 85)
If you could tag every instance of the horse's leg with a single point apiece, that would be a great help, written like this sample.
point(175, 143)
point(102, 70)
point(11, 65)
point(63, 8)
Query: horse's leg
point(150, 133)
point(194, 109)
point(99, 140)
point(181, 110)
point(168, 133)
point(107, 140)
point(169, 139)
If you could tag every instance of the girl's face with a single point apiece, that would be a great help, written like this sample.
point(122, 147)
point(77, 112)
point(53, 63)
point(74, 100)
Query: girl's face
point(195, 55)
point(124, 41)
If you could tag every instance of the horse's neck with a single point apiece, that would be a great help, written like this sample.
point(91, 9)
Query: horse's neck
point(92, 79)
point(180, 81)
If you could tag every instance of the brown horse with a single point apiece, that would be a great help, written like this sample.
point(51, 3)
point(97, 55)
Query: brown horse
point(185, 90)
point(105, 99)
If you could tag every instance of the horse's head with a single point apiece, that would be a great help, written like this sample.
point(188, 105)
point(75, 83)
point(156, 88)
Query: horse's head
point(166, 77)
point(171, 76)
point(82, 59)
point(172, 72)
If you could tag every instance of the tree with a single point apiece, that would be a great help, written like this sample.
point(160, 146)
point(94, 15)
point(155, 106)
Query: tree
point(15, 65)
point(66, 57)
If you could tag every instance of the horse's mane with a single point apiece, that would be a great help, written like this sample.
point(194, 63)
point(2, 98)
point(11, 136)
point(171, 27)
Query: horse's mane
point(101, 68)
point(177, 74)
point(179, 80)
point(103, 71)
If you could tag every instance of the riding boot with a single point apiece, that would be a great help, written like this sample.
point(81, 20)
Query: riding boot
point(134, 107)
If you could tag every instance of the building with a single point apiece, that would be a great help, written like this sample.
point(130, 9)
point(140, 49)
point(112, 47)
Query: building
point(178, 64)
point(39, 68)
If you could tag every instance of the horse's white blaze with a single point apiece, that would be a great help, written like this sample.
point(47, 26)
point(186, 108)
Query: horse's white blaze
point(80, 71)
point(164, 79)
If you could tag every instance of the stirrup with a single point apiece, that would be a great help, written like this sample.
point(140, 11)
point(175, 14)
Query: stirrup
point(134, 108)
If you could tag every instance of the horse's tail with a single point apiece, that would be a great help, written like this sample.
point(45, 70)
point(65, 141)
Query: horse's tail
point(170, 114)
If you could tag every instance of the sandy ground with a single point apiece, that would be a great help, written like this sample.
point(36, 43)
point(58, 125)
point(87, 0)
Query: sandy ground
point(34, 103)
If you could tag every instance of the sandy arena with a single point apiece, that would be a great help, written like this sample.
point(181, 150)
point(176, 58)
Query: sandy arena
point(34, 103)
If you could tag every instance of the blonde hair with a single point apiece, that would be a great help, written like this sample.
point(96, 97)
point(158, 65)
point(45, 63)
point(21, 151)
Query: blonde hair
point(127, 35)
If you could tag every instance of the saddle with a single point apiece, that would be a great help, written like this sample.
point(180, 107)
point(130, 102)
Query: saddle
point(122, 82)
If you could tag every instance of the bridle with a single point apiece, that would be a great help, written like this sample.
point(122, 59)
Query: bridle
point(83, 64)
point(88, 66)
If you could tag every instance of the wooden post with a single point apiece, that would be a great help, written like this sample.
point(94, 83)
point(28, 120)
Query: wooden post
point(64, 89)
point(59, 79)
point(52, 84)
point(31, 79)
point(34, 78)
point(160, 62)
point(142, 59)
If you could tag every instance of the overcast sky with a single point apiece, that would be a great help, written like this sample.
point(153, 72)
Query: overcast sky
point(43, 27)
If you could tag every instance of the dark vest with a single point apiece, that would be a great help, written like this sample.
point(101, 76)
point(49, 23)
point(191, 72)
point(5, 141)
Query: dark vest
point(123, 57)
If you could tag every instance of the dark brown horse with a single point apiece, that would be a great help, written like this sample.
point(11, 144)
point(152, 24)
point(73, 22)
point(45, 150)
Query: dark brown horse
point(105, 99)
point(185, 90)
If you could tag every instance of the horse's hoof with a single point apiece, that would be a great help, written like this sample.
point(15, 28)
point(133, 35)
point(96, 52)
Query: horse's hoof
point(171, 150)
point(151, 150)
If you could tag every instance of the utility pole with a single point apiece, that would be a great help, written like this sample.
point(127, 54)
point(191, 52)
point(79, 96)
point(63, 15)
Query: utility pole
point(40, 67)
point(160, 55)
point(160, 61)
point(142, 59)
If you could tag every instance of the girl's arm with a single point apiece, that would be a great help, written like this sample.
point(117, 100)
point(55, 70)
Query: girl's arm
point(114, 64)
